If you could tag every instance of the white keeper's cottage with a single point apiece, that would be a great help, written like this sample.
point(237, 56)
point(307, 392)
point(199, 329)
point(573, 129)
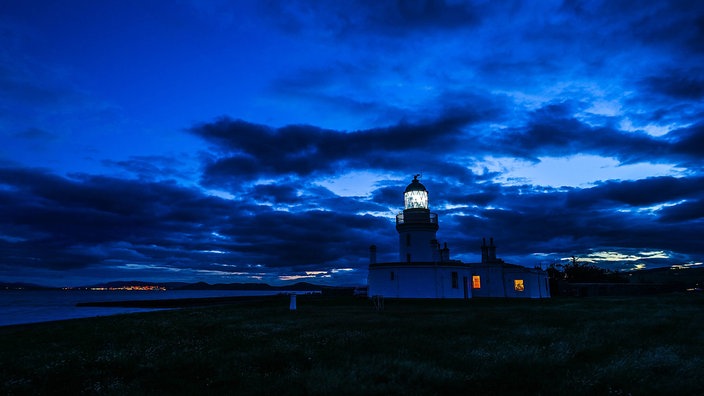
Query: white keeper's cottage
point(425, 270)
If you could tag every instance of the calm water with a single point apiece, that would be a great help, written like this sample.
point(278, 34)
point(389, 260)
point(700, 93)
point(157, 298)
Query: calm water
point(17, 307)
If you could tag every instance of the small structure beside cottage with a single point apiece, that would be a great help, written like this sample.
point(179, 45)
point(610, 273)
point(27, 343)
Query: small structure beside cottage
point(425, 269)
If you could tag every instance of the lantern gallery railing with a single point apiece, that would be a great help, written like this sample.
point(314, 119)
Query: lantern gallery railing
point(417, 218)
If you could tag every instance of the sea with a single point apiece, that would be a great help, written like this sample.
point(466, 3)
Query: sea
point(33, 306)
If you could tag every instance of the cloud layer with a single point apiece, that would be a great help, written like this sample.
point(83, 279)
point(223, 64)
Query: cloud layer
point(272, 141)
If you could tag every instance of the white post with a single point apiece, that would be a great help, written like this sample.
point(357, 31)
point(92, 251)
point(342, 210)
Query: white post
point(292, 306)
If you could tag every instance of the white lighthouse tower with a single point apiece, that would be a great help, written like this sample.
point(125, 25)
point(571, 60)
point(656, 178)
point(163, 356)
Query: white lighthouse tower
point(416, 226)
point(424, 270)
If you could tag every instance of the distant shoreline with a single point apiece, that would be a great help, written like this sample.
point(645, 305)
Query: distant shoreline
point(181, 302)
point(34, 306)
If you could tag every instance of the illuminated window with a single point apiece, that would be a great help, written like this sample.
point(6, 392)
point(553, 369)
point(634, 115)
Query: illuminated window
point(476, 282)
point(392, 275)
point(518, 285)
point(455, 280)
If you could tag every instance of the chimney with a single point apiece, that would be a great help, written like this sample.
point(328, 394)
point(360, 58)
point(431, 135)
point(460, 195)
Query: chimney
point(445, 253)
point(492, 250)
point(372, 254)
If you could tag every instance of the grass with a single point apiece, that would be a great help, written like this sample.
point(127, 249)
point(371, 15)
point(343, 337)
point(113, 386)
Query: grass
point(617, 346)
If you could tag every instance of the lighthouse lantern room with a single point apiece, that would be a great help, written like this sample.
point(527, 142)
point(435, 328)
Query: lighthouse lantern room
point(416, 196)
point(416, 226)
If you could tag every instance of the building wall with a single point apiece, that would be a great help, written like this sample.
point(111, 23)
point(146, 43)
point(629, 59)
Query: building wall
point(534, 282)
point(418, 246)
point(419, 281)
point(436, 281)
point(491, 281)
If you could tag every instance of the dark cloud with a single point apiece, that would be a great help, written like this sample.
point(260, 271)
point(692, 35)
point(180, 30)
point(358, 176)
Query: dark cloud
point(275, 194)
point(679, 83)
point(646, 192)
point(554, 131)
point(49, 219)
point(687, 211)
point(637, 214)
point(676, 25)
point(282, 219)
point(308, 237)
point(389, 18)
point(616, 214)
point(255, 150)
point(689, 142)
point(153, 167)
point(57, 223)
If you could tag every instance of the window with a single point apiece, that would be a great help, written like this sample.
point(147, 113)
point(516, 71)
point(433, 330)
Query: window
point(408, 257)
point(518, 285)
point(408, 239)
point(476, 282)
point(416, 199)
point(392, 275)
point(455, 280)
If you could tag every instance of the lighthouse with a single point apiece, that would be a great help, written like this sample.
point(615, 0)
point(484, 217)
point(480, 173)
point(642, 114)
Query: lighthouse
point(417, 226)
point(425, 270)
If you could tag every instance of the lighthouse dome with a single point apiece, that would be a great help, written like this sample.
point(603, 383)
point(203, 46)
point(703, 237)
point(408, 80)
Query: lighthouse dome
point(415, 196)
point(415, 185)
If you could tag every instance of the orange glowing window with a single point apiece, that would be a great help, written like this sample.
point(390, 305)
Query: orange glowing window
point(518, 285)
point(476, 282)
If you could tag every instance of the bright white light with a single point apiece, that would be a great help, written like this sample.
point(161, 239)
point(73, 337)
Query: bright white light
point(416, 199)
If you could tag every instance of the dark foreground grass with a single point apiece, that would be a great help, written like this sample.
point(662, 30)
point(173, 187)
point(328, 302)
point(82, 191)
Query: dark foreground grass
point(619, 346)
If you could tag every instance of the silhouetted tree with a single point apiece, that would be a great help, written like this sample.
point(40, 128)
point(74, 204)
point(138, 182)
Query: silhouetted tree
point(576, 272)
point(556, 275)
point(556, 271)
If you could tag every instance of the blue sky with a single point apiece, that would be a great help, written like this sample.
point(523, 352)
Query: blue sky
point(236, 141)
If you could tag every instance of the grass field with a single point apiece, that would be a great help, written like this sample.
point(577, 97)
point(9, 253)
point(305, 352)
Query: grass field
point(564, 346)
